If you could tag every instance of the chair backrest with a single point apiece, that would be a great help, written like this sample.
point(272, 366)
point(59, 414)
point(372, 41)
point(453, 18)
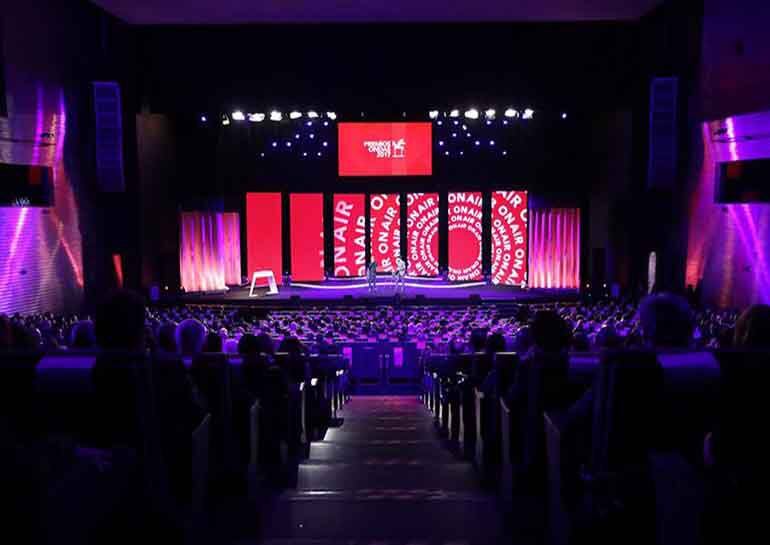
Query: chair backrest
point(628, 405)
point(17, 389)
point(743, 409)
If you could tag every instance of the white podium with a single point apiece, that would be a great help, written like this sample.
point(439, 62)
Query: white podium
point(270, 282)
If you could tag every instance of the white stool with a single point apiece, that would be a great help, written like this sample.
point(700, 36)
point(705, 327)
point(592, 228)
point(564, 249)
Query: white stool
point(270, 282)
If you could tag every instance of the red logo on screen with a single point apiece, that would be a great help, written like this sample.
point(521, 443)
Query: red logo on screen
point(385, 149)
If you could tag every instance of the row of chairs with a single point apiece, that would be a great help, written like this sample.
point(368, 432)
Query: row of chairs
point(197, 428)
point(586, 447)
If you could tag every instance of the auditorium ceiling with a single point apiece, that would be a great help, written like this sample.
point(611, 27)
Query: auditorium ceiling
point(198, 12)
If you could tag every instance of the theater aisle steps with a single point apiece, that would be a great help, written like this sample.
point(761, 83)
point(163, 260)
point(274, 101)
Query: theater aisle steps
point(383, 478)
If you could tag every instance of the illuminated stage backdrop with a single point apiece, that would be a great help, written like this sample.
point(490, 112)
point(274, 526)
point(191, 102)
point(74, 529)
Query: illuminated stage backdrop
point(349, 225)
point(465, 217)
point(422, 219)
point(307, 230)
point(263, 234)
point(209, 250)
point(385, 229)
point(554, 251)
point(509, 238)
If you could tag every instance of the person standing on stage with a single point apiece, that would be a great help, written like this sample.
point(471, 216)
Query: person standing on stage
point(371, 276)
point(400, 274)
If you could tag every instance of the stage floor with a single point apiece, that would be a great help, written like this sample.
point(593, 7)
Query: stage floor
point(352, 292)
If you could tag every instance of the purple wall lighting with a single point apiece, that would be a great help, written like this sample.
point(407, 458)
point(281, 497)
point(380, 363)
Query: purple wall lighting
point(729, 244)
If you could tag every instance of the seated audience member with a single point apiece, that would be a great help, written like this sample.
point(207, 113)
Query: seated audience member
point(478, 340)
point(83, 335)
point(666, 321)
point(167, 338)
point(6, 333)
point(190, 337)
point(495, 343)
point(213, 343)
point(119, 329)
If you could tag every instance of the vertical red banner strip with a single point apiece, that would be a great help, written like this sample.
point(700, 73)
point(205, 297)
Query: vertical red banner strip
point(307, 231)
point(263, 234)
point(509, 238)
point(465, 218)
point(555, 248)
point(349, 225)
point(385, 229)
point(422, 232)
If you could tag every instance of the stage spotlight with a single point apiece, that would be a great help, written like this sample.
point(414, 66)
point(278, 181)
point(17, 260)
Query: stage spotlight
point(529, 114)
point(312, 114)
point(505, 121)
point(564, 115)
point(462, 152)
point(454, 113)
point(473, 113)
point(326, 123)
point(465, 127)
point(490, 113)
point(295, 115)
point(203, 119)
point(440, 142)
point(304, 154)
point(238, 115)
point(331, 115)
point(491, 142)
point(488, 122)
point(309, 123)
point(262, 154)
point(439, 122)
point(276, 116)
point(256, 118)
point(288, 144)
point(454, 135)
point(312, 136)
point(296, 136)
point(275, 144)
point(225, 120)
point(505, 153)
point(511, 113)
point(446, 153)
point(319, 154)
point(433, 114)
point(477, 143)
point(326, 144)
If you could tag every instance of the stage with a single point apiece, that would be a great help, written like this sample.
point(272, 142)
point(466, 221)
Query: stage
point(355, 292)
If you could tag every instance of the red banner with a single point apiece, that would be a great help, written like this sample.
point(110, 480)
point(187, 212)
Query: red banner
point(307, 231)
point(349, 224)
point(509, 238)
point(263, 234)
point(422, 220)
point(385, 230)
point(385, 149)
point(465, 215)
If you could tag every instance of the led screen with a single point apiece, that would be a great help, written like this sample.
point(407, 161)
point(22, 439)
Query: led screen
point(509, 238)
point(422, 221)
point(465, 216)
point(263, 234)
point(349, 226)
point(385, 149)
point(307, 231)
point(385, 229)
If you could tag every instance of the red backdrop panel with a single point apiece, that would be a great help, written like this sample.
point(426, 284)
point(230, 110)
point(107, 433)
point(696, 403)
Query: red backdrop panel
point(465, 215)
point(385, 149)
point(349, 226)
point(307, 231)
point(509, 238)
point(555, 248)
point(385, 226)
point(209, 250)
point(422, 234)
point(263, 234)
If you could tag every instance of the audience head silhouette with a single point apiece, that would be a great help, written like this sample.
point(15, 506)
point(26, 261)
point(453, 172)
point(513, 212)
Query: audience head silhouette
point(190, 336)
point(120, 322)
point(550, 333)
point(666, 321)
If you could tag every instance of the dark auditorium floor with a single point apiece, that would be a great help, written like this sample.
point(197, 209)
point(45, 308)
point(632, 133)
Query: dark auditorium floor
point(383, 477)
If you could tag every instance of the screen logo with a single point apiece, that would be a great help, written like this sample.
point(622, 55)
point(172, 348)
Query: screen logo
point(385, 149)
